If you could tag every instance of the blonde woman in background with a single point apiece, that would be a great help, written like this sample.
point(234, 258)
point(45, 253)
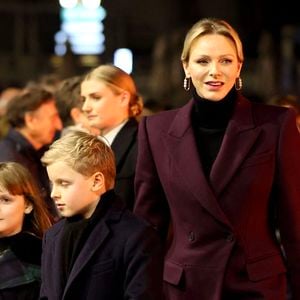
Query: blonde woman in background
point(112, 104)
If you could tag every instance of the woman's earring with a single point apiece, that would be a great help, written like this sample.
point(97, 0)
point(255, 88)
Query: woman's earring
point(238, 83)
point(187, 83)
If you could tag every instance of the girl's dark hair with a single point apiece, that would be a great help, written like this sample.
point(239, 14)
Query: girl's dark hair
point(17, 180)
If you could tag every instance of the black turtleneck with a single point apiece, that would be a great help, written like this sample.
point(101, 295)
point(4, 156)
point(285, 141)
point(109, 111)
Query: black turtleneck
point(210, 120)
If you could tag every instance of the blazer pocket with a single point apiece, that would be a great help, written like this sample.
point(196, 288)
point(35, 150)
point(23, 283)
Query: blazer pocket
point(258, 159)
point(266, 267)
point(103, 266)
point(172, 273)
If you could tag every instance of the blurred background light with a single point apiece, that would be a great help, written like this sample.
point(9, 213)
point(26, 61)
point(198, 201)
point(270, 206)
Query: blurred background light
point(68, 3)
point(60, 49)
point(60, 37)
point(81, 27)
point(91, 3)
point(123, 58)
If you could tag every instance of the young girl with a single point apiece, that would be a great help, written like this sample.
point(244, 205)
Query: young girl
point(23, 220)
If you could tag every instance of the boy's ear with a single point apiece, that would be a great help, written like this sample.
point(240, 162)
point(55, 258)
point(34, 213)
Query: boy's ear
point(98, 181)
point(28, 208)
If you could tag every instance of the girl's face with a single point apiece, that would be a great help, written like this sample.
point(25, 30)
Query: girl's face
point(103, 107)
point(12, 211)
point(213, 66)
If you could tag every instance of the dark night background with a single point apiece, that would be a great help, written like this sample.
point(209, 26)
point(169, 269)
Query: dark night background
point(154, 30)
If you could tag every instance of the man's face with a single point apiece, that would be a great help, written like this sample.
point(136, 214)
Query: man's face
point(43, 124)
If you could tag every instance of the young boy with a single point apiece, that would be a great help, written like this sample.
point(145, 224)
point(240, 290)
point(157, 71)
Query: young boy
point(98, 250)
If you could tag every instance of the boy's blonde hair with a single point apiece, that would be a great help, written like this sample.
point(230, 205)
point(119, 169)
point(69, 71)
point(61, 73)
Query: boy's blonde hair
point(85, 154)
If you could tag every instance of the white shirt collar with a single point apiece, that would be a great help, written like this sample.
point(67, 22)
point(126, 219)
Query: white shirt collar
point(111, 135)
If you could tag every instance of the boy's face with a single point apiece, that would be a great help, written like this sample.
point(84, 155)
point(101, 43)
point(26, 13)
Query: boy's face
point(73, 193)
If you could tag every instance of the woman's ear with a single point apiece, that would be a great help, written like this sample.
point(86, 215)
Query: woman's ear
point(98, 181)
point(185, 68)
point(125, 98)
point(239, 68)
point(28, 208)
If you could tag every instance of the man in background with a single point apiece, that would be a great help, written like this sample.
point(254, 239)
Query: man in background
point(34, 121)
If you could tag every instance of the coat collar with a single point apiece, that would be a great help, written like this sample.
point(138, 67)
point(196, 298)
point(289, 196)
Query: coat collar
point(20, 258)
point(22, 144)
point(98, 236)
point(124, 140)
point(239, 136)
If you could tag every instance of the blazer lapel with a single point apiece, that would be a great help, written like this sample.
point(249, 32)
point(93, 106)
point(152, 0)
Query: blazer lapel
point(124, 139)
point(239, 137)
point(181, 144)
point(96, 239)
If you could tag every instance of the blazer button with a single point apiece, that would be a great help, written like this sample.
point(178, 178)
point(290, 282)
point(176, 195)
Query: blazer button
point(230, 237)
point(191, 236)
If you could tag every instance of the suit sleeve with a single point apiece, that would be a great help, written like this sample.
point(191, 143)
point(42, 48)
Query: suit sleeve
point(143, 260)
point(151, 203)
point(288, 191)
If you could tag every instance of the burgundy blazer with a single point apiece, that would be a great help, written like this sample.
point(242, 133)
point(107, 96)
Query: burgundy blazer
point(223, 227)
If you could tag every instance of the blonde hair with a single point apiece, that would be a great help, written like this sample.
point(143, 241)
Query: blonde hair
point(118, 80)
point(17, 180)
point(211, 26)
point(85, 154)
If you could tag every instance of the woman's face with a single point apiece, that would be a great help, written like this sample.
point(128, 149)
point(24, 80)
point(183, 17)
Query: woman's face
point(213, 66)
point(12, 212)
point(103, 107)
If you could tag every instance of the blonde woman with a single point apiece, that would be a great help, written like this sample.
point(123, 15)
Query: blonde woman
point(222, 172)
point(112, 104)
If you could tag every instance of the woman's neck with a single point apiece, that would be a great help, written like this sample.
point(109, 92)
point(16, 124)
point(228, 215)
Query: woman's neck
point(213, 114)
